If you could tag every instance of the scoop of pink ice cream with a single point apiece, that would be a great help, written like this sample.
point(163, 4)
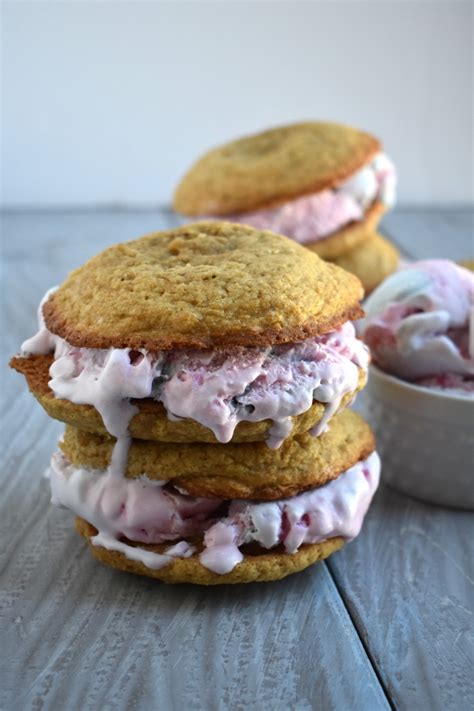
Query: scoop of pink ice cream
point(420, 322)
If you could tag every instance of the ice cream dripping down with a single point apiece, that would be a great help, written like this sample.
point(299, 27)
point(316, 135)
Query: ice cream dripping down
point(217, 388)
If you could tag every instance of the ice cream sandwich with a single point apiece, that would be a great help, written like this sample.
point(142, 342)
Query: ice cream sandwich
point(324, 185)
point(203, 374)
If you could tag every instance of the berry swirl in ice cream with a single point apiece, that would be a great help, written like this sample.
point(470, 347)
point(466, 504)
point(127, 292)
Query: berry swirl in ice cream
point(219, 334)
point(420, 325)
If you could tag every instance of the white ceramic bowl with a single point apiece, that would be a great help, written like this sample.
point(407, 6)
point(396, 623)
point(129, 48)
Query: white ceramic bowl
point(425, 438)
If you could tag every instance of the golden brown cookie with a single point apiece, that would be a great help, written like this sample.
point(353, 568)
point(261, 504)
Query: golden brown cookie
point(372, 261)
point(152, 420)
point(257, 566)
point(269, 168)
point(350, 236)
point(233, 471)
point(205, 285)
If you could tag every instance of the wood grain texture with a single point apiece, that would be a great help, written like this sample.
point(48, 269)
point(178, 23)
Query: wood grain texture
point(395, 605)
point(409, 587)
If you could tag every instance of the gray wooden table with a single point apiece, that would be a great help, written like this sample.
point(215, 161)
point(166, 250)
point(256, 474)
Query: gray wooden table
point(386, 622)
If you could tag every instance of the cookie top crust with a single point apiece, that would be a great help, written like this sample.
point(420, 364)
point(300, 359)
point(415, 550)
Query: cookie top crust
point(204, 285)
point(271, 167)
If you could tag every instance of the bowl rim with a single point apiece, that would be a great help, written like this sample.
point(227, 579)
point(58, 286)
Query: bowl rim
point(421, 389)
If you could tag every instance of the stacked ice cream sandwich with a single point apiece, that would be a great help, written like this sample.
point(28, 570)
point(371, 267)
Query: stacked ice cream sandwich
point(324, 185)
point(203, 375)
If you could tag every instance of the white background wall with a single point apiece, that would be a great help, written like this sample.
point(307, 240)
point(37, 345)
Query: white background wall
point(110, 101)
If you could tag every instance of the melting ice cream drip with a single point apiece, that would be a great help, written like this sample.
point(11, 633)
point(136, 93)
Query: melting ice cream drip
point(43, 342)
point(151, 560)
point(108, 384)
point(216, 389)
point(113, 377)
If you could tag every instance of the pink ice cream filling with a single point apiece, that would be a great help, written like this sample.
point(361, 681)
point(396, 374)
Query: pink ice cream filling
point(305, 219)
point(313, 217)
point(146, 511)
point(218, 389)
point(420, 325)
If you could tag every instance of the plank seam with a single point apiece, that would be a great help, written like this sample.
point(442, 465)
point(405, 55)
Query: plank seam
point(365, 646)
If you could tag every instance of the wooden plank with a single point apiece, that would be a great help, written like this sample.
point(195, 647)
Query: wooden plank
point(82, 636)
point(425, 234)
point(408, 582)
